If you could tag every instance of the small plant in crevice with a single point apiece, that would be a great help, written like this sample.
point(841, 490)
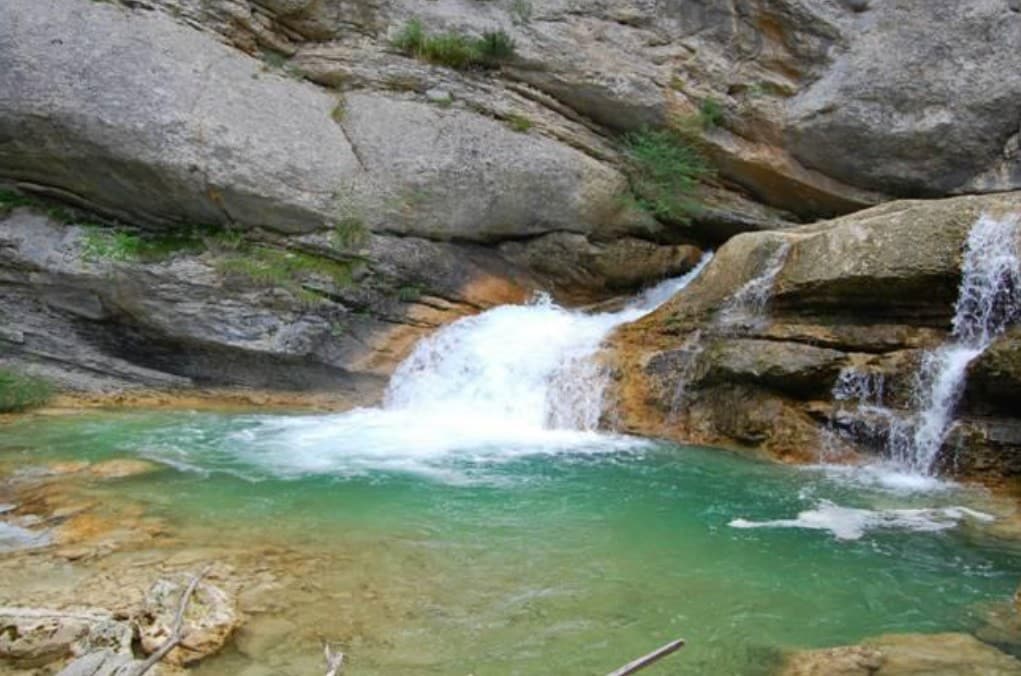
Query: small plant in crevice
point(349, 233)
point(409, 293)
point(519, 123)
point(454, 50)
point(495, 47)
point(664, 170)
point(20, 392)
point(339, 111)
point(710, 113)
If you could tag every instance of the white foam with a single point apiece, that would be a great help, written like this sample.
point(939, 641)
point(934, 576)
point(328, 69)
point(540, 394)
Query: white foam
point(851, 523)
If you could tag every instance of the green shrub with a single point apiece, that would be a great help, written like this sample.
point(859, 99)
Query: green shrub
point(10, 198)
point(518, 122)
point(20, 392)
point(495, 47)
point(409, 293)
point(289, 270)
point(119, 244)
point(710, 113)
point(411, 39)
point(454, 50)
point(664, 170)
point(349, 232)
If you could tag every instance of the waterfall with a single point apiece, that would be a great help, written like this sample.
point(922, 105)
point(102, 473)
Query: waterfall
point(989, 300)
point(527, 366)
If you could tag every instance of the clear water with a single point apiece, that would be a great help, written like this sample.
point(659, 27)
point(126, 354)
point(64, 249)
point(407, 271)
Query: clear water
point(560, 555)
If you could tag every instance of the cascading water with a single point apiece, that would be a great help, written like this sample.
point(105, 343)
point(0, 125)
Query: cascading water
point(523, 366)
point(517, 379)
point(988, 302)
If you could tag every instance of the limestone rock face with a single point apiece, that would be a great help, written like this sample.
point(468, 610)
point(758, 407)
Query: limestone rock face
point(154, 120)
point(939, 114)
point(751, 353)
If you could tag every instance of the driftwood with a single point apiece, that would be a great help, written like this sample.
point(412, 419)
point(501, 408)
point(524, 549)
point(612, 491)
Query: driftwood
point(334, 660)
point(646, 660)
point(177, 635)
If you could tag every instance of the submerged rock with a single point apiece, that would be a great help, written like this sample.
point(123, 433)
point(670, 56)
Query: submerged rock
point(906, 655)
point(209, 621)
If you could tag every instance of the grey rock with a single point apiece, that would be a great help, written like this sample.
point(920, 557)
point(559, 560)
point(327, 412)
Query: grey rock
point(33, 637)
point(797, 369)
point(137, 115)
point(221, 138)
point(932, 116)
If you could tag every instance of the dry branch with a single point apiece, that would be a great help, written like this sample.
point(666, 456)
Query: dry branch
point(334, 660)
point(646, 660)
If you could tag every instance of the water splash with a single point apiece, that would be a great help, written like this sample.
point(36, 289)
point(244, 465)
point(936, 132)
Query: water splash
point(989, 300)
point(530, 366)
point(851, 523)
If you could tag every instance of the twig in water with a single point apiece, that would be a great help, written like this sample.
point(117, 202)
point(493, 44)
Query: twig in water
point(646, 660)
point(334, 660)
point(176, 635)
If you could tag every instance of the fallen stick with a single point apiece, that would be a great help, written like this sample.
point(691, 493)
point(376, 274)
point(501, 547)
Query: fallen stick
point(177, 635)
point(646, 660)
point(334, 660)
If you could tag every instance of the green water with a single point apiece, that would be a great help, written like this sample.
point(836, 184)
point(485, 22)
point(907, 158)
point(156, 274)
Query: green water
point(565, 562)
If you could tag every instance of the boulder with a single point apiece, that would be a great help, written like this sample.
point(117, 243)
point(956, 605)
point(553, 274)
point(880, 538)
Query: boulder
point(750, 352)
point(940, 114)
point(994, 379)
point(33, 637)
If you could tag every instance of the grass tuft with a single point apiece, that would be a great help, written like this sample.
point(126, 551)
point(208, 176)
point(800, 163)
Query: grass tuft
point(710, 113)
point(519, 123)
point(454, 50)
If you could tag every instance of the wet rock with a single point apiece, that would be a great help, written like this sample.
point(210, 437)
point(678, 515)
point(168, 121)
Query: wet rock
point(844, 661)
point(32, 637)
point(798, 369)
point(210, 619)
point(122, 468)
point(869, 291)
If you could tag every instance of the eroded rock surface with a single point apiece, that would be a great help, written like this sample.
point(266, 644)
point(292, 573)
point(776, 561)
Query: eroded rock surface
point(751, 353)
